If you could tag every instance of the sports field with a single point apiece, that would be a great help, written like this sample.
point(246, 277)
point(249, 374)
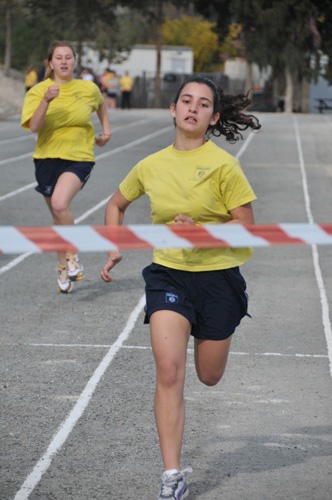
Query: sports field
point(77, 373)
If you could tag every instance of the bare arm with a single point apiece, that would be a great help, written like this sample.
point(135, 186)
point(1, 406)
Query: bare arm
point(114, 215)
point(38, 117)
point(242, 215)
point(102, 113)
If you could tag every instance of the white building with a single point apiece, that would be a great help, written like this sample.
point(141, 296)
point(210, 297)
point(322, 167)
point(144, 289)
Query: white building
point(142, 59)
point(238, 69)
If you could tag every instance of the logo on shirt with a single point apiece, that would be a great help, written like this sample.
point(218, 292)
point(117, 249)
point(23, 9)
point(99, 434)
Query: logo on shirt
point(200, 173)
point(171, 298)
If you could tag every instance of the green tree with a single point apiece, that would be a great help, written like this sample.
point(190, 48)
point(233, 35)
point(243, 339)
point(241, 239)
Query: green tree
point(6, 7)
point(218, 12)
point(232, 45)
point(35, 23)
point(74, 20)
point(154, 11)
point(196, 33)
point(279, 33)
point(20, 39)
point(323, 36)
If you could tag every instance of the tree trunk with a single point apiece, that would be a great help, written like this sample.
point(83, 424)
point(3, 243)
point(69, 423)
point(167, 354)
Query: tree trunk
point(249, 81)
point(79, 50)
point(289, 93)
point(8, 38)
point(159, 21)
point(305, 104)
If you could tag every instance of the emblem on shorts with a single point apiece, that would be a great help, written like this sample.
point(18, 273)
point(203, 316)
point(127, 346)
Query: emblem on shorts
point(171, 298)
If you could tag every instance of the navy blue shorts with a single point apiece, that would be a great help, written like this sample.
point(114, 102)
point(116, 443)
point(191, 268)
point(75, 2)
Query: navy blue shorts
point(48, 171)
point(214, 302)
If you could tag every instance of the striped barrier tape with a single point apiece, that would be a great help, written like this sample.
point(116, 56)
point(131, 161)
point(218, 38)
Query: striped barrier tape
point(16, 240)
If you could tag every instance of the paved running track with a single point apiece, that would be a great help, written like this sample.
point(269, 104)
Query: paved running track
point(77, 374)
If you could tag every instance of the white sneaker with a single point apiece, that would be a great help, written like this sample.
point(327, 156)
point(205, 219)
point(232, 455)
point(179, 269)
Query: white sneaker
point(174, 487)
point(74, 267)
point(65, 285)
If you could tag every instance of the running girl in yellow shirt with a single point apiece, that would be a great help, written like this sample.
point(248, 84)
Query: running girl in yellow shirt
point(198, 292)
point(59, 110)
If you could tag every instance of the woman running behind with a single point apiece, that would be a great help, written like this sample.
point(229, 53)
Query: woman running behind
point(59, 110)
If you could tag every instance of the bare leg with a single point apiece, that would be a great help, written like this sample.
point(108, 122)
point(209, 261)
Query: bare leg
point(66, 188)
point(170, 333)
point(211, 359)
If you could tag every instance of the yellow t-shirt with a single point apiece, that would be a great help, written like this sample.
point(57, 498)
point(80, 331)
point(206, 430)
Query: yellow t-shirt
point(31, 79)
point(67, 131)
point(205, 184)
point(126, 83)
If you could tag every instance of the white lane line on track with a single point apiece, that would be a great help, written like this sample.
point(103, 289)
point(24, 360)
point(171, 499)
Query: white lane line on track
point(103, 155)
point(16, 158)
point(86, 214)
point(30, 136)
point(315, 255)
point(245, 145)
point(33, 184)
point(17, 191)
point(17, 139)
point(14, 262)
point(68, 424)
point(144, 348)
point(29, 155)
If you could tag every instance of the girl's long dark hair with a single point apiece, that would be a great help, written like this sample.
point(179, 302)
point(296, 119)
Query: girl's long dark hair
point(232, 120)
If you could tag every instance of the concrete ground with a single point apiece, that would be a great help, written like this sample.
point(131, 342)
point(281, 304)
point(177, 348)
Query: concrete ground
point(12, 94)
point(76, 371)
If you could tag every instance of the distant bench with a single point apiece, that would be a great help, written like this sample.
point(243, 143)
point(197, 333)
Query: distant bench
point(324, 103)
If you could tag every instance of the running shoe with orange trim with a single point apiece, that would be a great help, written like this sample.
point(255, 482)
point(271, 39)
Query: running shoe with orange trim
point(74, 267)
point(65, 285)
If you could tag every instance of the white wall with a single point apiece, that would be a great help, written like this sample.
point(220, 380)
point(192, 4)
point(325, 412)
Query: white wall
point(236, 68)
point(143, 58)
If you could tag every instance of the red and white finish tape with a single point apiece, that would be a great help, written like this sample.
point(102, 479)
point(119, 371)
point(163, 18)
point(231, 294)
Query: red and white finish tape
point(16, 240)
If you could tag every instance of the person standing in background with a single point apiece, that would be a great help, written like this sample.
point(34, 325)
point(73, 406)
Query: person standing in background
point(59, 110)
point(126, 86)
point(86, 74)
point(42, 70)
point(112, 90)
point(103, 79)
point(31, 77)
